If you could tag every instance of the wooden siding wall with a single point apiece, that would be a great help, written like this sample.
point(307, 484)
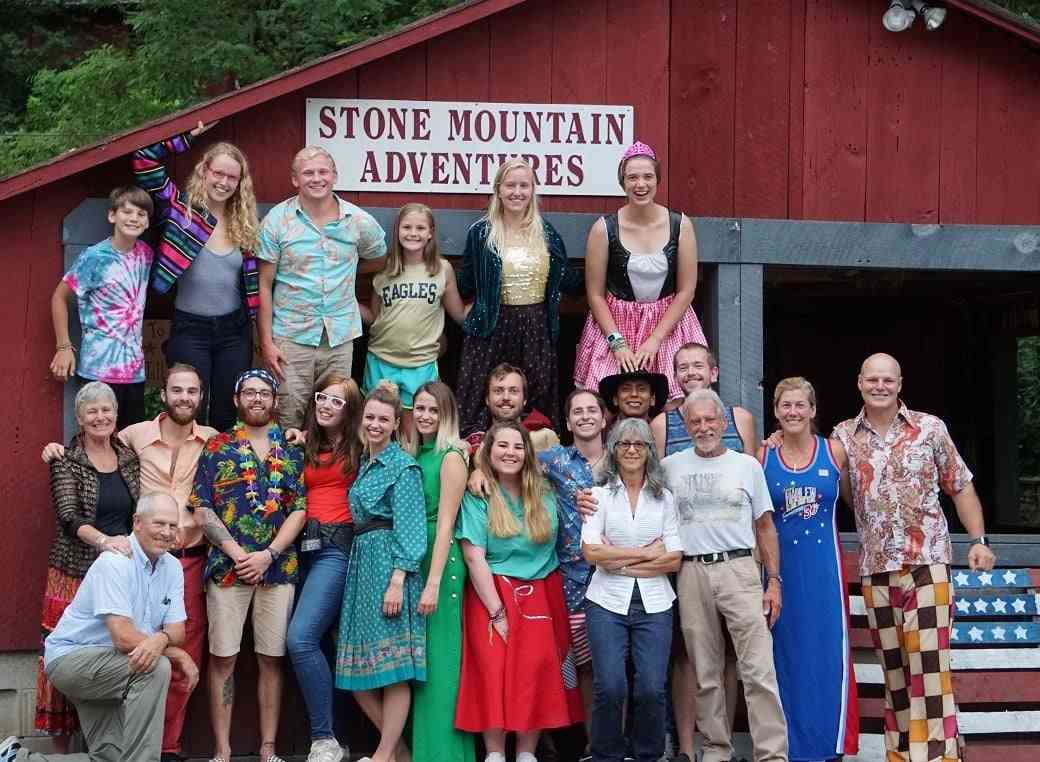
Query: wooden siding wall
point(800, 109)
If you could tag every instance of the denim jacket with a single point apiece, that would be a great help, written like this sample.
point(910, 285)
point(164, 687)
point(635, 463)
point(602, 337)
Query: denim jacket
point(481, 276)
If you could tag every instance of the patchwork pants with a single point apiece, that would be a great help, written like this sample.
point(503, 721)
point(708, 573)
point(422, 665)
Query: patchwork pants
point(910, 613)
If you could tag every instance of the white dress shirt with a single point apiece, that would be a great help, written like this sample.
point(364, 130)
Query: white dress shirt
point(614, 523)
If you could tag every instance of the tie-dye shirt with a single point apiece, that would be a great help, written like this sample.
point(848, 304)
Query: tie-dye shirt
point(110, 288)
point(314, 288)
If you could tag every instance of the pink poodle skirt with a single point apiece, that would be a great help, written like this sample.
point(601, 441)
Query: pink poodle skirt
point(636, 321)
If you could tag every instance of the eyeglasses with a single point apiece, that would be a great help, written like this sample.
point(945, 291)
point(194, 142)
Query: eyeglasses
point(223, 177)
point(251, 394)
point(337, 402)
point(624, 445)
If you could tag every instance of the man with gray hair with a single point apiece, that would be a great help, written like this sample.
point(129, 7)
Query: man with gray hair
point(723, 503)
point(310, 246)
point(114, 648)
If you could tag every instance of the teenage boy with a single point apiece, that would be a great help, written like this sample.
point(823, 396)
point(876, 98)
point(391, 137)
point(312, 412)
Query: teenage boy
point(109, 281)
point(312, 248)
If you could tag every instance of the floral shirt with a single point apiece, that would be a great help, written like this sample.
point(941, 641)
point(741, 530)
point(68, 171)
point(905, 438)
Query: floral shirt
point(568, 471)
point(895, 488)
point(110, 288)
point(253, 500)
point(314, 288)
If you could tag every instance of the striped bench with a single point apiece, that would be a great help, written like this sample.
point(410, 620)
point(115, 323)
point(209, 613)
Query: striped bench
point(996, 663)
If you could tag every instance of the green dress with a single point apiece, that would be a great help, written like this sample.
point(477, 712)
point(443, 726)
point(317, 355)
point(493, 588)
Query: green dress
point(434, 738)
point(375, 650)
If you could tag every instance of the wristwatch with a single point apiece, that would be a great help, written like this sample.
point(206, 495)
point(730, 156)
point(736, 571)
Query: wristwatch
point(981, 540)
point(274, 553)
point(777, 577)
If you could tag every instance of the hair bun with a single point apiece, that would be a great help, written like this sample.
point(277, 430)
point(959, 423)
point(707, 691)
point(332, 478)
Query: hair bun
point(387, 385)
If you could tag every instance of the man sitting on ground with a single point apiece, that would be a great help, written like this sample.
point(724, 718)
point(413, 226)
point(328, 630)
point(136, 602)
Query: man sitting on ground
point(114, 648)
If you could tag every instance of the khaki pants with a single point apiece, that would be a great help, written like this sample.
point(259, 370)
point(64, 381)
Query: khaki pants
point(732, 590)
point(121, 714)
point(303, 366)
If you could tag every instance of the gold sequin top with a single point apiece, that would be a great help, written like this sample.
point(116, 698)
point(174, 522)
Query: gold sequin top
point(525, 271)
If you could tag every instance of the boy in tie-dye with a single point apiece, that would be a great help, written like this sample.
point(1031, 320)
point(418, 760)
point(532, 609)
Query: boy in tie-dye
point(109, 281)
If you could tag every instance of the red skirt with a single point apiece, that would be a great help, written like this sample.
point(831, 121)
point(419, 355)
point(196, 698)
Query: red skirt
point(528, 682)
point(55, 714)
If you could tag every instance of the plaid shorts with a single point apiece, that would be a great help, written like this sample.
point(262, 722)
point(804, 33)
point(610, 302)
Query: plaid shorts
point(910, 613)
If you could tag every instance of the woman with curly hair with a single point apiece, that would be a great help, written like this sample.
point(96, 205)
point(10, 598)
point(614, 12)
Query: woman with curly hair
point(208, 234)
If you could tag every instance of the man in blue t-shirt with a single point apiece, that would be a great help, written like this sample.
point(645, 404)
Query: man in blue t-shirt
point(114, 648)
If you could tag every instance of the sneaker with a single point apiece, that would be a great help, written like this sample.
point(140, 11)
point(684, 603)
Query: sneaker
point(526, 756)
point(9, 749)
point(495, 756)
point(325, 750)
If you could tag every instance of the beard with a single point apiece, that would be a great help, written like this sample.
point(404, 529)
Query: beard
point(255, 418)
point(182, 415)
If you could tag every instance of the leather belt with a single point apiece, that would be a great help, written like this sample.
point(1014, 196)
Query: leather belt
point(372, 526)
point(192, 552)
point(714, 558)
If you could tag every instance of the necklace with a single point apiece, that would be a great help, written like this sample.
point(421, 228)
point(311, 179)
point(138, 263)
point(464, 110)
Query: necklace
point(275, 459)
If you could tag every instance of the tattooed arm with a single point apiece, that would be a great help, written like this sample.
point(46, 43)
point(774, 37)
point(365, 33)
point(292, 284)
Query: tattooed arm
point(200, 504)
point(217, 533)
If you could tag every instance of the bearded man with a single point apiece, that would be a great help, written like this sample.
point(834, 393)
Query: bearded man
point(168, 447)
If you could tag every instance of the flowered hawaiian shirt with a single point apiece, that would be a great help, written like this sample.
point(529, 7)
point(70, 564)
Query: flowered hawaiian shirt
point(110, 288)
point(314, 288)
point(253, 500)
point(568, 471)
point(895, 488)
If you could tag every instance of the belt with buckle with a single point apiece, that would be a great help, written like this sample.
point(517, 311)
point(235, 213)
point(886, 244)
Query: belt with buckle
point(714, 558)
point(192, 552)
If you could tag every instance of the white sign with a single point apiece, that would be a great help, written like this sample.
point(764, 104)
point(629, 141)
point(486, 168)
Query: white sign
point(455, 147)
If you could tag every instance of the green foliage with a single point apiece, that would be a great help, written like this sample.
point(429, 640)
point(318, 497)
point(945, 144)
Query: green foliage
point(60, 88)
point(1029, 406)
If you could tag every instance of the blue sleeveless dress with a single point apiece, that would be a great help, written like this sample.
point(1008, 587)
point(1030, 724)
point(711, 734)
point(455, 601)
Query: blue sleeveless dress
point(811, 637)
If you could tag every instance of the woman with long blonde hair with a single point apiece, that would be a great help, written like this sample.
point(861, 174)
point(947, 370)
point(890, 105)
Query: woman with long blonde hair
point(208, 234)
point(518, 671)
point(515, 268)
point(442, 456)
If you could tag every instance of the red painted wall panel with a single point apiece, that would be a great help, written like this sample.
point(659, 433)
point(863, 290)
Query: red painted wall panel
point(835, 109)
point(762, 134)
point(702, 105)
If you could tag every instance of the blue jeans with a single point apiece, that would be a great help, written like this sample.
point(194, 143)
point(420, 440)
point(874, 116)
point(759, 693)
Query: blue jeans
point(317, 608)
point(612, 638)
point(220, 348)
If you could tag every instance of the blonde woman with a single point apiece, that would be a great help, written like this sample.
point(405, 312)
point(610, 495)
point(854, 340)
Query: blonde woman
point(514, 267)
point(518, 672)
point(442, 456)
point(208, 234)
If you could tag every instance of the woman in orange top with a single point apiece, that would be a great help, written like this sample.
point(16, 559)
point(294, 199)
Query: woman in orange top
point(332, 451)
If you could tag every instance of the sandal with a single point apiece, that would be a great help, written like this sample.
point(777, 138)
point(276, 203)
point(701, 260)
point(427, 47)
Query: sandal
point(272, 757)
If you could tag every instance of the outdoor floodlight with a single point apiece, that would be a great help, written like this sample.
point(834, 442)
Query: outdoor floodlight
point(901, 14)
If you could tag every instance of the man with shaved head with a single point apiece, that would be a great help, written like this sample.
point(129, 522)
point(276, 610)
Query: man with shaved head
point(899, 459)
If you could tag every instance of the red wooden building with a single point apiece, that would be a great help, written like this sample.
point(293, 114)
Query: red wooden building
point(854, 190)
